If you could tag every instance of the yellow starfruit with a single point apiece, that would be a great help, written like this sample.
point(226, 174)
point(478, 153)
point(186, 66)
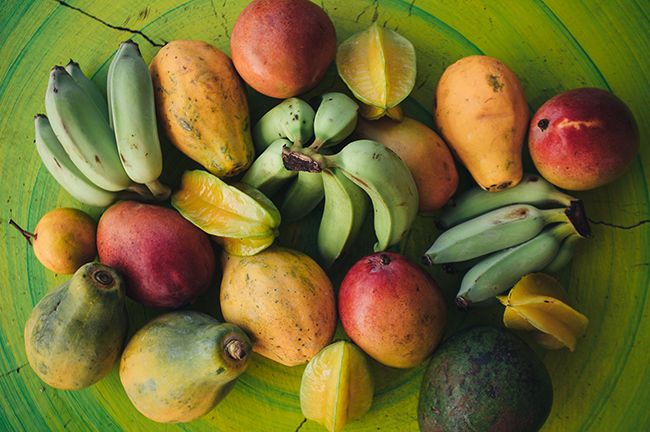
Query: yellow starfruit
point(539, 303)
point(234, 211)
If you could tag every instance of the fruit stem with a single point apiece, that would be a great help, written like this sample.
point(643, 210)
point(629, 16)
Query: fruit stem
point(142, 190)
point(28, 236)
point(384, 259)
point(305, 160)
point(235, 349)
point(160, 191)
point(578, 218)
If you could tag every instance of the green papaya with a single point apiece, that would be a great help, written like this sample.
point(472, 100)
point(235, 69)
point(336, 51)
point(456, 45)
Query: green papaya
point(75, 334)
point(484, 378)
point(181, 364)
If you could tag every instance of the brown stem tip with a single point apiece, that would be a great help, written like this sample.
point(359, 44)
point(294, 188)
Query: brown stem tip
point(28, 236)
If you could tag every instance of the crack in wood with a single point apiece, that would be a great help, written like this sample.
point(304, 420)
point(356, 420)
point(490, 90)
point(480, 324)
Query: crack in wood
point(17, 370)
point(300, 425)
point(628, 227)
point(120, 28)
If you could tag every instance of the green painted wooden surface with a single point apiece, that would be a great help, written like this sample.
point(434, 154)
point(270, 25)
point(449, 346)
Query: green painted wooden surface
point(552, 45)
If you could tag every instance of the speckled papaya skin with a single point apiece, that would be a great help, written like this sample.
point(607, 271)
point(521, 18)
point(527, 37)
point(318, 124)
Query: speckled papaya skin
point(202, 106)
point(487, 379)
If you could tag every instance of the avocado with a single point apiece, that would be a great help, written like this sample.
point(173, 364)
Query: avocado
point(484, 378)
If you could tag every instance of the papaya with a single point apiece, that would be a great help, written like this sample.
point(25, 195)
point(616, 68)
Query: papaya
point(484, 378)
point(182, 364)
point(481, 112)
point(283, 300)
point(75, 334)
point(202, 106)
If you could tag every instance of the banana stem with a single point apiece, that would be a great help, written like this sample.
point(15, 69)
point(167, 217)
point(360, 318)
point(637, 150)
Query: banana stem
point(302, 160)
point(578, 218)
point(143, 192)
point(160, 191)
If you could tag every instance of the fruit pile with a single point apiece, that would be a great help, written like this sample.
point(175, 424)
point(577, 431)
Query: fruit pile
point(357, 158)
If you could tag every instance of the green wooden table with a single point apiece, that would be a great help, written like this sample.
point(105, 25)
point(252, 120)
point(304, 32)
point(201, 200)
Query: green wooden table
point(552, 45)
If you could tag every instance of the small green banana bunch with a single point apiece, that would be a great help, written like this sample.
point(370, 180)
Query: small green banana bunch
point(499, 237)
point(101, 151)
point(294, 141)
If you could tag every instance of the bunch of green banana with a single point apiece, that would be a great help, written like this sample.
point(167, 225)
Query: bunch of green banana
point(132, 114)
point(101, 151)
point(295, 146)
point(499, 237)
point(77, 130)
point(293, 124)
point(377, 171)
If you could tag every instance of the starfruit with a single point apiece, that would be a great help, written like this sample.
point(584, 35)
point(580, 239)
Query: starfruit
point(379, 66)
point(539, 303)
point(239, 211)
point(245, 246)
point(337, 386)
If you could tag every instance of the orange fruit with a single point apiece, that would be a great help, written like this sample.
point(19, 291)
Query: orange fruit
point(336, 386)
point(378, 66)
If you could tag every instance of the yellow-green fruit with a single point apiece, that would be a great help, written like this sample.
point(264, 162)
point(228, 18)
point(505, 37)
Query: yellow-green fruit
point(74, 336)
point(64, 240)
point(181, 364)
point(337, 386)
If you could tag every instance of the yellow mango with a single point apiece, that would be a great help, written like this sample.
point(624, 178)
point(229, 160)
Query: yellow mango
point(202, 105)
point(482, 114)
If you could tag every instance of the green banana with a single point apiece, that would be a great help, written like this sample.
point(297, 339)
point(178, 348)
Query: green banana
point(498, 229)
point(532, 189)
point(345, 211)
point(292, 119)
point(302, 196)
point(499, 271)
point(267, 173)
point(89, 87)
point(389, 183)
point(133, 114)
point(58, 163)
point(335, 119)
point(84, 132)
point(564, 255)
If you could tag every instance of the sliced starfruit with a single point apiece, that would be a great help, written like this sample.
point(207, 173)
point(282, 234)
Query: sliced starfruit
point(245, 246)
point(371, 112)
point(223, 210)
point(378, 66)
point(337, 386)
point(539, 303)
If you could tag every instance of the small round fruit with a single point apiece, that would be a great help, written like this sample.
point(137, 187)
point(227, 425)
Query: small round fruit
point(283, 48)
point(336, 386)
point(64, 240)
point(392, 309)
point(583, 138)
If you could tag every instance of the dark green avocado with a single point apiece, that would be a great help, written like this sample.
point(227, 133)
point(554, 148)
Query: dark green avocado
point(484, 379)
